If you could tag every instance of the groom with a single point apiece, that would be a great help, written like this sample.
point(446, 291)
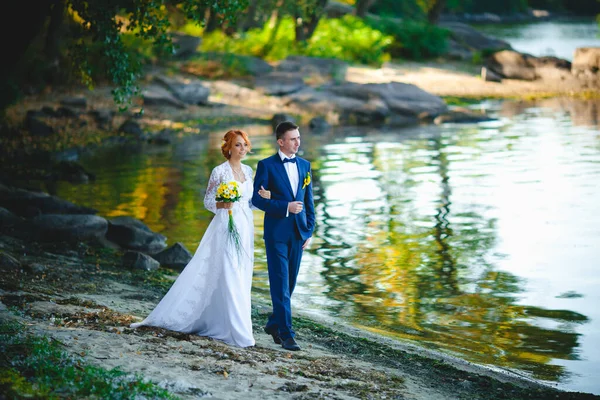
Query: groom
point(288, 226)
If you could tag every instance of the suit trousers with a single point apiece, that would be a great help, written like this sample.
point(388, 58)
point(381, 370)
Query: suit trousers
point(283, 259)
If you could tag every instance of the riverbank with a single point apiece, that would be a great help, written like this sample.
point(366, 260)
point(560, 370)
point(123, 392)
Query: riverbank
point(83, 299)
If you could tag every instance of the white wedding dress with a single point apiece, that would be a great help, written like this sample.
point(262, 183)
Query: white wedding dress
point(211, 296)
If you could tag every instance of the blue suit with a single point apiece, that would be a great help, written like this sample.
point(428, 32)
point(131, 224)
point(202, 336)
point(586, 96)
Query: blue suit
point(284, 236)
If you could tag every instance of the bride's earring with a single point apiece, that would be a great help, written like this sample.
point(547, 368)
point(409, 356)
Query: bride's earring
point(229, 152)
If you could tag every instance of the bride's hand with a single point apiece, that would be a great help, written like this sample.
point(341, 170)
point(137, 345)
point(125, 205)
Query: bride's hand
point(265, 194)
point(223, 205)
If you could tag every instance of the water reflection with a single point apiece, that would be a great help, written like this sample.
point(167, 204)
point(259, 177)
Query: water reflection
point(457, 237)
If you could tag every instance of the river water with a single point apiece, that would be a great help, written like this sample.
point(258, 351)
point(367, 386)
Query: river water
point(548, 38)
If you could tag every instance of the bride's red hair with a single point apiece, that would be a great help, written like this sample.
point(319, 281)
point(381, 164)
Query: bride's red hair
point(230, 139)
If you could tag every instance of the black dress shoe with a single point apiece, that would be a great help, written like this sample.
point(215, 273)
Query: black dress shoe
point(290, 344)
point(274, 333)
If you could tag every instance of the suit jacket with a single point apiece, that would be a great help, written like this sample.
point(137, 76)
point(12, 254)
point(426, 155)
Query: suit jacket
point(271, 174)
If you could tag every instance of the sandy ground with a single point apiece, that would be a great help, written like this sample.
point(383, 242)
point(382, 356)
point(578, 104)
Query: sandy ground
point(85, 300)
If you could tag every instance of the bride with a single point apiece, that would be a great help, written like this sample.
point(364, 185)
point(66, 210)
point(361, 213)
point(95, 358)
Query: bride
point(211, 296)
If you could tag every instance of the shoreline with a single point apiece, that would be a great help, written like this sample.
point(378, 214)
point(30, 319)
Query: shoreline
point(83, 298)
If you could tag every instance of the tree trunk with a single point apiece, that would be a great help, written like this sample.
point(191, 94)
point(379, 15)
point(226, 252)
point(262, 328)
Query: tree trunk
point(248, 22)
point(212, 21)
point(20, 23)
point(362, 7)
point(306, 25)
point(274, 23)
point(52, 45)
point(433, 15)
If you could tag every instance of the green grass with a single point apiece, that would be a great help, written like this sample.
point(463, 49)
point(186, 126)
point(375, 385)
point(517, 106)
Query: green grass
point(36, 367)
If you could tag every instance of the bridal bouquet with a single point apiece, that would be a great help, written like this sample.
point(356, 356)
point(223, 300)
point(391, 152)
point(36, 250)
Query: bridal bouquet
point(229, 192)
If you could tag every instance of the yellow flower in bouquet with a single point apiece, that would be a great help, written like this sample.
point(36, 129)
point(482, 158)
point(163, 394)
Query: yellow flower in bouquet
point(229, 192)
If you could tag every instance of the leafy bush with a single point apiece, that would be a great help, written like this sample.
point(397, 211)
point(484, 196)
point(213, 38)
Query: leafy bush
point(414, 40)
point(348, 38)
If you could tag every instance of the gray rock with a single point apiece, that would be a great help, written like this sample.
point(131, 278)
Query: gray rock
point(70, 228)
point(27, 204)
point(125, 220)
point(279, 83)
point(176, 256)
point(137, 260)
point(103, 118)
point(318, 124)
point(185, 45)
point(155, 95)
point(74, 101)
point(131, 127)
point(8, 219)
point(279, 118)
point(489, 75)
point(133, 238)
point(189, 91)
point(38, 127)
point(8, 261)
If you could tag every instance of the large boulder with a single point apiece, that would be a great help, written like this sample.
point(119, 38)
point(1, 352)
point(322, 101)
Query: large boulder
point(72, 228)
point(189, 91)
point(137, 260)
point(184, 45)
point(134, 237)
point(370, 104)
point(514, 65)
point(29, 204)
point(176, 256)
point(155, 95)
point(279, 83)
point(586, 62)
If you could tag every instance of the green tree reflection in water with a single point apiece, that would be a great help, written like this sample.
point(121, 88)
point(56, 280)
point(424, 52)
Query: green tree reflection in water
point(402, 259)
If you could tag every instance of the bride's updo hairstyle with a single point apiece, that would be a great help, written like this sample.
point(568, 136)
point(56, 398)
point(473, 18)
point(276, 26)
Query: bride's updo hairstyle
point(230, 139)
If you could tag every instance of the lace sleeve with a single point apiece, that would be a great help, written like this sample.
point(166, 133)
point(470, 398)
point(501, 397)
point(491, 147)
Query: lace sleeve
point(248, 174)
point(211, 191)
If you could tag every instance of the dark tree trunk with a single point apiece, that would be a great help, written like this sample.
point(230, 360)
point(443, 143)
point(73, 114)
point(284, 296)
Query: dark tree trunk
point(306, 25)
point(433, 16)
point(248, 21)
point(362, 7)
point(212, 21)
point(20, 23)
point(53, 34)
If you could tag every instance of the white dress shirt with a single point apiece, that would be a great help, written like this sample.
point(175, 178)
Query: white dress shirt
point(292, 172)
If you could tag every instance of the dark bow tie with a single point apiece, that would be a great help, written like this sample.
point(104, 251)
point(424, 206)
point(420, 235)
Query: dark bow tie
point(292, 160)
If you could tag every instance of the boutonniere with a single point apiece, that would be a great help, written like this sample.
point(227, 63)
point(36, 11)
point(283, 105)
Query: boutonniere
point(306, 180)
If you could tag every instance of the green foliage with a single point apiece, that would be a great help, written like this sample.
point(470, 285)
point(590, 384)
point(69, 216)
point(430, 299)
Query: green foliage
point(35, 367)
point(414, 40)
point(103, 26)
point(348, 38)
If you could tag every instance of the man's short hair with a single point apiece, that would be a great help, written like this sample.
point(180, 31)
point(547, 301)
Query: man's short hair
point(283, 127)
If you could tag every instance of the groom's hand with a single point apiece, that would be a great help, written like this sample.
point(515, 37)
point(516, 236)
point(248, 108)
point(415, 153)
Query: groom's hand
point(295, 207)
point(306, 243)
